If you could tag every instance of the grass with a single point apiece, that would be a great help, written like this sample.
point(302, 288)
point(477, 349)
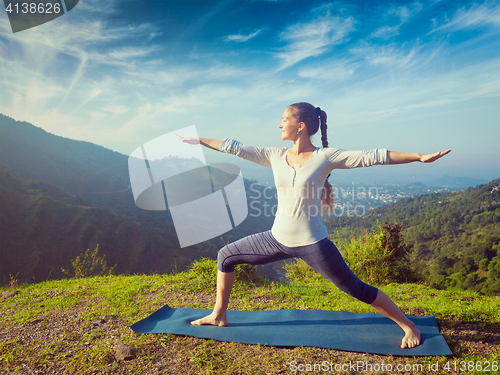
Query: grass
point(58, 327)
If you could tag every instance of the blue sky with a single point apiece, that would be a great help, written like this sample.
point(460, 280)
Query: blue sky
point(416, 76)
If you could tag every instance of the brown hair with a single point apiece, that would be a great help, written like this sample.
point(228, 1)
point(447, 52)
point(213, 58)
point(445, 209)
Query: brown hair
point(314, 118)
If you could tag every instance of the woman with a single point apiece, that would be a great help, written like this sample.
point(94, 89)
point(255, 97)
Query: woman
point(298, 231)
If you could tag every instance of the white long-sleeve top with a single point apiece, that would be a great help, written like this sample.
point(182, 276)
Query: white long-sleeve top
point(298, 216)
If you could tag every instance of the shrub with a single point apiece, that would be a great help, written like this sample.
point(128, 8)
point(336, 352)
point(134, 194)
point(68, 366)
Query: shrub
point(382, 257)
point(89, 264)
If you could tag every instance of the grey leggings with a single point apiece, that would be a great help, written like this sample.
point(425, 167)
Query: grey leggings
point(322, 256)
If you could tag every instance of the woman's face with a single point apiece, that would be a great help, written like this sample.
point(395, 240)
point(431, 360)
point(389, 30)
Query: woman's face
point(289, 125)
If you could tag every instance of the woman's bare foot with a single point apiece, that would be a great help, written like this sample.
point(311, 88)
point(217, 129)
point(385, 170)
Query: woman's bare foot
point(218, 318)
point(212, 319)
point(384, 305)
point(411, 339)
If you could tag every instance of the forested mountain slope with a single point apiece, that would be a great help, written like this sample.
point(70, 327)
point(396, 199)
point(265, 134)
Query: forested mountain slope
point(59, 197)
point(456, 235)
point(43, 228)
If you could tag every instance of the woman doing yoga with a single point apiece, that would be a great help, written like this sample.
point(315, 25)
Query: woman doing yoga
point(300, 173)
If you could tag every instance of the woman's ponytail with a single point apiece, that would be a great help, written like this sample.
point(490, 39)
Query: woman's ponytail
point(327, 200)
point(322, 120)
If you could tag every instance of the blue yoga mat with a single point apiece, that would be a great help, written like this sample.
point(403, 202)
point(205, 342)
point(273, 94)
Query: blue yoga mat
point(356, 332)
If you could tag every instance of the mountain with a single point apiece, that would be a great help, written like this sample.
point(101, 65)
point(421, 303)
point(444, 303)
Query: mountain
point(75, 166)
point(457, 182)
point(60, 197)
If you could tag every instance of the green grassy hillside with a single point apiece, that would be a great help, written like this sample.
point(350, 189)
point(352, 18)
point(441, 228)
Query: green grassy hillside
point(71, 326)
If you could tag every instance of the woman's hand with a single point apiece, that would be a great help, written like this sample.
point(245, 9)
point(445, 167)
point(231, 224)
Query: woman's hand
point(405, 157)
point(210, 143)
point(429, 158)
point(191, 141)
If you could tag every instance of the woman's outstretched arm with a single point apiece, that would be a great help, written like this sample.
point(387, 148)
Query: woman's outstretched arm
point(259, 155)
point(405, 157)
point(210, 143)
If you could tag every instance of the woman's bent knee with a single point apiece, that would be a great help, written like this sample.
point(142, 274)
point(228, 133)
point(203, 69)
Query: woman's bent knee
point(223, 263)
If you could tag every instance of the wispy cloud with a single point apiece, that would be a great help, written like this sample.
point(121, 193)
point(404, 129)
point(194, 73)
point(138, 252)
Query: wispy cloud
point(125, 57)
point(478, 15)
point(403, 14)
point(386, 32)
point(59, 37)
point(239, 38)
point(336, 71)
point(101, 7)
point(60, 68)
point(85, 41)
point(391, 55)
point(310, 39)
